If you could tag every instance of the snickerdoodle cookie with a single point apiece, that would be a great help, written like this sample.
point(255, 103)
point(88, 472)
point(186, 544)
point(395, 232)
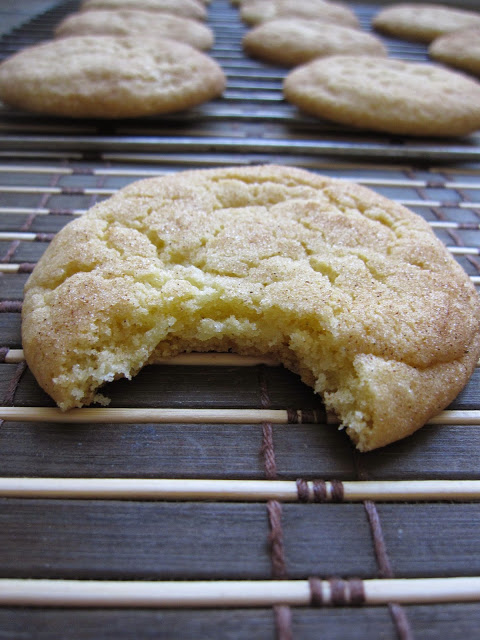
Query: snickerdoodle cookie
point(423, 22)
point(258, 11)
point(387, 95)
point(109, 77)
point(127, 22)
point(460, 49)
point(186, 8)
point(292, 41)
point(345, 287)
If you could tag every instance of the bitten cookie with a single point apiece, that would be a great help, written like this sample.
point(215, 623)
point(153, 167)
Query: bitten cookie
point(128, 22)
point(387, 95)
point(258, 11)
point(346, 288)
point(292, 41)
point(423, 22)
point(460, 49)
point(186, 8)
point(108, 77)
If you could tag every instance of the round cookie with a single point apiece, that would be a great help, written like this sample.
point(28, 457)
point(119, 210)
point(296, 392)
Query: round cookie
point(345, 287)
point(258, 11)
point(423, 22)
point(387, 95)
point(108, 77)
point(186, 8)
point(127, 22)
point(460, 49)
point(292, 41)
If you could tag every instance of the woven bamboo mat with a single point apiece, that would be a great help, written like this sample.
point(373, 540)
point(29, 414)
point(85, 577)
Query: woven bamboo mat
point(214, 497)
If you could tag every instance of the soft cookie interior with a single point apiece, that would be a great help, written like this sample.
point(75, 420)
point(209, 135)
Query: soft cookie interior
point(351, 291)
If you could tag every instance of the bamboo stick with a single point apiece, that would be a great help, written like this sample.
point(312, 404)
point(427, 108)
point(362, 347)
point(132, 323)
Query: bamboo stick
point(463, 251)
point(35, 170)
point(227, 490)
point(192, 416)
point(226, 593)
point(7, 267)
point(23, 236)
point(39, 211)
point(90, 191)
point(14, 356)
point(191, 359)
point(142, 416)
point(456, 417)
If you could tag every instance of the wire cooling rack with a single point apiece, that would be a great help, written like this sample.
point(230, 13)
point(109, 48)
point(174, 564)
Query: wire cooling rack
point(215, 497)
point(251, 116)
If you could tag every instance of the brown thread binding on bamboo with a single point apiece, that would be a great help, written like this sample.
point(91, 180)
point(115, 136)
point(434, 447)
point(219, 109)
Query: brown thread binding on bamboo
point(72, 191)
point(274, 509)
point(283, 621)
point(357, 592)
point(302, 490)
point(268, 451)
point(80, 171)
point(9, 396)
point(337, 491)
point(308, 416)
point(61, 212)
point(282, 613)
point(3, 354)
point(338, 593)
point(397, 612)
point(44, 237)
point(10, 251)
point(342, 592)
point(292, 416)
point(26, 267)
point(321, 491)
point(316, 592)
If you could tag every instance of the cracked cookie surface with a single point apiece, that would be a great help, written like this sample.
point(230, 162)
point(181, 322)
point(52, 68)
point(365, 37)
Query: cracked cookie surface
point(348, 289)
